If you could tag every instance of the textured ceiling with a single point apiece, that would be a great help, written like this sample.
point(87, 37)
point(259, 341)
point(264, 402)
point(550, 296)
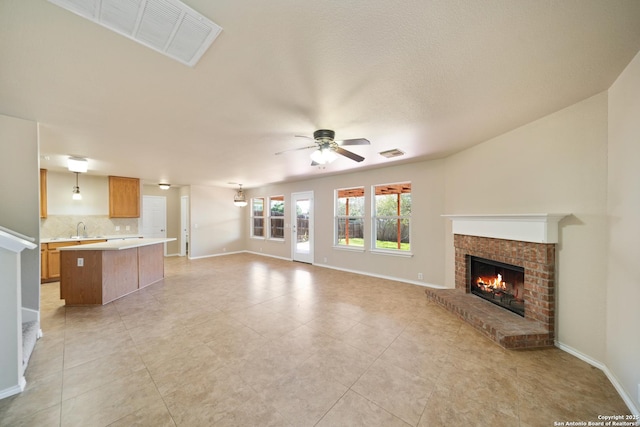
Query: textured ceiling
point(427, 77)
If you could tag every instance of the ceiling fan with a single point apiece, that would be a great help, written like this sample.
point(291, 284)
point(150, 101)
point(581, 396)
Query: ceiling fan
point(327, 147)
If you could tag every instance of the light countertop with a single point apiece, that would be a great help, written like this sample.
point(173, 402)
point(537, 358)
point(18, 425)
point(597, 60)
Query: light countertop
point(117, 245)
point(81, 239)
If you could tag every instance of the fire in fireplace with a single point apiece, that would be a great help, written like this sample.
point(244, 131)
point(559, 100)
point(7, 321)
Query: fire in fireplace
point(497, 282)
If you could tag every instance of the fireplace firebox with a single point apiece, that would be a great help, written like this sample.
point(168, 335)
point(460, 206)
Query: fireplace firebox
point(497, 282)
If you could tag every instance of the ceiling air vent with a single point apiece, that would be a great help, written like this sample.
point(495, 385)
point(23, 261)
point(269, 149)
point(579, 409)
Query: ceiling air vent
point(167, 26)
point(391, 153)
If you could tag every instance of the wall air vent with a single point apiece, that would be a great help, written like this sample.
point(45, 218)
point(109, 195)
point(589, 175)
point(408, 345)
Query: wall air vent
point(167, 26)
point(391, 153)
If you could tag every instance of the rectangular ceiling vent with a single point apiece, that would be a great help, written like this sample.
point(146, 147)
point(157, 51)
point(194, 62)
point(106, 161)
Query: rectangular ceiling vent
point(167, 26)
point(391, 153)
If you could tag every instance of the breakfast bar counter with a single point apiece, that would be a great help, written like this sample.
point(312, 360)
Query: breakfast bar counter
point(98, 273)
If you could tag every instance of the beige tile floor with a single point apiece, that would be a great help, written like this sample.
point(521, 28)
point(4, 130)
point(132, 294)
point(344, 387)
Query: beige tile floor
point(244, 340)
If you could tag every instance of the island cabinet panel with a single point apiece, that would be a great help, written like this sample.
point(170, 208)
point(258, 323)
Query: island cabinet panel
point(119, 274)
point(150, 264)
point(103, 272)
point(50, 253)
point(81, 284)
point(124, 197)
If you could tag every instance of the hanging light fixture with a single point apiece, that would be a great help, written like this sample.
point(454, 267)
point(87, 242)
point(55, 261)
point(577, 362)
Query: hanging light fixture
point(239, 199)
point(76, 190)
point(323, 155)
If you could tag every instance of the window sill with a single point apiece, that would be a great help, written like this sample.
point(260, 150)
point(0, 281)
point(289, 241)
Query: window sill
point(258, 238)
point(276, 240)
point(392, 253)
point(349, 248)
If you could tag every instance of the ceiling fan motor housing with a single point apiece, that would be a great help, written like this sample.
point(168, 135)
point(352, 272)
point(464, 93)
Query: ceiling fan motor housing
point(324, 135)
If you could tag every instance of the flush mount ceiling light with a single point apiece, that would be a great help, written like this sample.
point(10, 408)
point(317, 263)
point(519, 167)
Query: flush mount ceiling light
point(77, 164)
point(164, 186)
point(166, 26)
point(239, 199)
point(76, 190)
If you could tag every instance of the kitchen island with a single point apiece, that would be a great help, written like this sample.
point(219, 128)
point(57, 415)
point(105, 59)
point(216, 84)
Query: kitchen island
point(98, 273)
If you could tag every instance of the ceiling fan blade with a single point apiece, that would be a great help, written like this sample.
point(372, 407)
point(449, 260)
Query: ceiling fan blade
point(349, 154)
point(356, 141)
point(314, 163)
point(303, 136)
point(296, 149)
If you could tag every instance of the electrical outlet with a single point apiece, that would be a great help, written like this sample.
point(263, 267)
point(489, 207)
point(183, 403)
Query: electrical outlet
point(324, 260)
point(80, 262)
point(128, 227)
point(420, 277)
point(117, 228)
point(224, 249)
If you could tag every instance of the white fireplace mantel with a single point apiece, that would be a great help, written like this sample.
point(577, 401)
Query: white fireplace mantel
point(536, 228)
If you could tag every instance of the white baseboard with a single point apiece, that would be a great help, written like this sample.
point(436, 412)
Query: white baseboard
point(614, 380)
point(18, 388)
point(380, 276)
point(30, 315)
point(267, 255)
point(215, 255)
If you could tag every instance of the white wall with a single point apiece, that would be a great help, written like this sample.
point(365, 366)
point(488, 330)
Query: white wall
point(94, 190)
point(427, 227)
point(623, 279)
point(20, 196)
point(557, 164)
point(19, 193)
point(216, 224)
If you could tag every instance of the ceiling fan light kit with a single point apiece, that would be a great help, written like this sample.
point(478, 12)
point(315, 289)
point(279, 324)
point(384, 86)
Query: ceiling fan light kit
point(327, 148)
point(323, 156)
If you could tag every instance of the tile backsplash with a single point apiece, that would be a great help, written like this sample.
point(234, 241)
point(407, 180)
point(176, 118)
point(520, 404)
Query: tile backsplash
point(96, 225)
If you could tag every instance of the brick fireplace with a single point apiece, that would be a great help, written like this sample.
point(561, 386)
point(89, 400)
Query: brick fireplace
point(526, 241)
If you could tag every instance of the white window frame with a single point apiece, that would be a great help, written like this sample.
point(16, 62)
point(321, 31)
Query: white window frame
point(337, 217)
point(272, 217)
point(399, 217)
point(254, 217)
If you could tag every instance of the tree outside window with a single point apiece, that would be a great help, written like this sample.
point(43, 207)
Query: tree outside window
point(349, 219)
point(392, 217)
point(257, 217)
point(276, 217)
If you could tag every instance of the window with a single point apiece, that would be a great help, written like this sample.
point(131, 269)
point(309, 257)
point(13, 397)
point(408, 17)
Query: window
point(257, 217)
point(276, 217)
point(349, 220)
point(392, 217)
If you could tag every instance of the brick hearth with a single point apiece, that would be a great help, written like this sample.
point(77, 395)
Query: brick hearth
point(509, 330)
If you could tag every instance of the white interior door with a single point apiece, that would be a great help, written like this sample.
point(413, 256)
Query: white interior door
point(184, 225)
point(154, 217)
point(302, 226)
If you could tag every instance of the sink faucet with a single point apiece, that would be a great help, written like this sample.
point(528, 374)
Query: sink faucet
point(84, 228)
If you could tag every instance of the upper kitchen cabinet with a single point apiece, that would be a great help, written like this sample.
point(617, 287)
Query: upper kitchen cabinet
point(43, 193)
point(124, 197)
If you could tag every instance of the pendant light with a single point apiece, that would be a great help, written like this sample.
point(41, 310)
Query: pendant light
point(239, 199)
point(76, 190)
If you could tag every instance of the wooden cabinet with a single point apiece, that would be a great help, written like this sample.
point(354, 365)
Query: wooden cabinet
point(43, 193)
point(44, 262)
point(124, 197)
point(50, 258)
